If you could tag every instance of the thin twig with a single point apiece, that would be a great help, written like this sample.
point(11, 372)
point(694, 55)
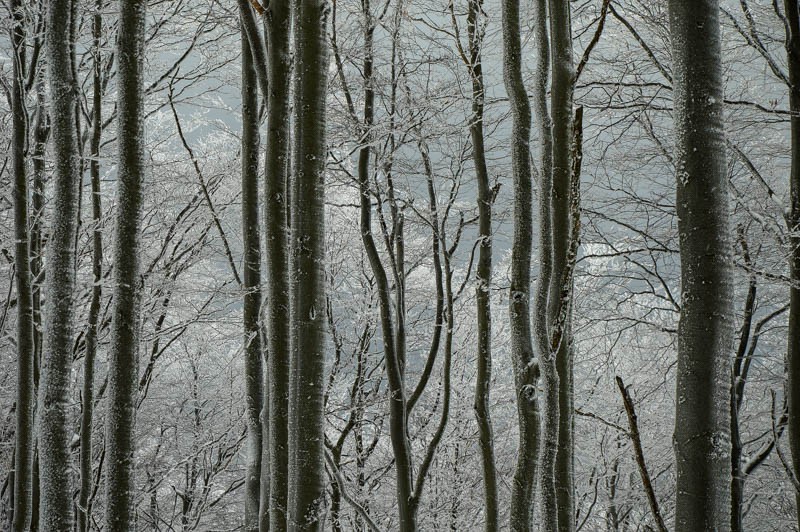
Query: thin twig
point(637, 448)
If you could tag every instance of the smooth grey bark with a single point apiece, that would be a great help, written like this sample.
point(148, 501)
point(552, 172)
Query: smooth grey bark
point(276, 233)
point(24, 433)
point(560, 300)
point(705, 332)
point(484, 271)
point(307, 306)
point(54, 425)
point(251, 281)
point(123, 359)
point(87, 397)
point(793, 221)
point(525, 364)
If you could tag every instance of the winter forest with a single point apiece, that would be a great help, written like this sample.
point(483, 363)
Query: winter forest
point(399, 265)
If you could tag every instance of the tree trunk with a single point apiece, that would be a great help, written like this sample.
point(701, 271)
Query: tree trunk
point(306, 411)
point(543, 319)
point(705, 331)
point(87, 399)
point(526, 368)
point(793, 221)
point(123, 359)
point(24, 442)
point(484, 272)
point(276, 231)
point(563, 75)
point(55, 431)
point(251, 281)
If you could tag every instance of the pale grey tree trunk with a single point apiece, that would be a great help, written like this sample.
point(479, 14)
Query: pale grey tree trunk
point(560, 300)
point(307, 365)
point(54, 425)
point(251, 281)
point(123, 359)
point(793, 221)
point(87, 398)
point(526, 368)
point(24, 438)
point(705, 332)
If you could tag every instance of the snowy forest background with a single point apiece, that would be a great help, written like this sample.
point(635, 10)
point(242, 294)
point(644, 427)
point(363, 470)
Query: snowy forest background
point(191, 444)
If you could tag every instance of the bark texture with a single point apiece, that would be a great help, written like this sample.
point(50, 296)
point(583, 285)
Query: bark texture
point(24, 442)
point(560, 298)
point(251, 281)
point(306, 406)
point(525, 365)
point(54, 423)
point(123, 359)
point(276, 198)
point(483, 293)
point(702, 426)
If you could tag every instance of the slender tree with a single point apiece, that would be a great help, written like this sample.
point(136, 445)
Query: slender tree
point(525, 365)
point(251, 280)
point(24, 443)
point(87, 398)
point(791, 9)
point(254, 68)
point(276, 232)
point(123, 363)
point(306, 415)
point(560, 297)
point(54, 433)
point(483, 377)
point(702, 424)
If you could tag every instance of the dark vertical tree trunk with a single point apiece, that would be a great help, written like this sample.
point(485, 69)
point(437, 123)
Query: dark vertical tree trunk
point(563, 74)
point(87, 399)
point(793, 350)
point(123, 361)
point(251, 281)
point(306, 412)
point(484, 271)
point(543, 318)
point(54, 437)
point(254, 68)
point(24, 442)
point(276, 167)
point(526, 370)
point(702, 424)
